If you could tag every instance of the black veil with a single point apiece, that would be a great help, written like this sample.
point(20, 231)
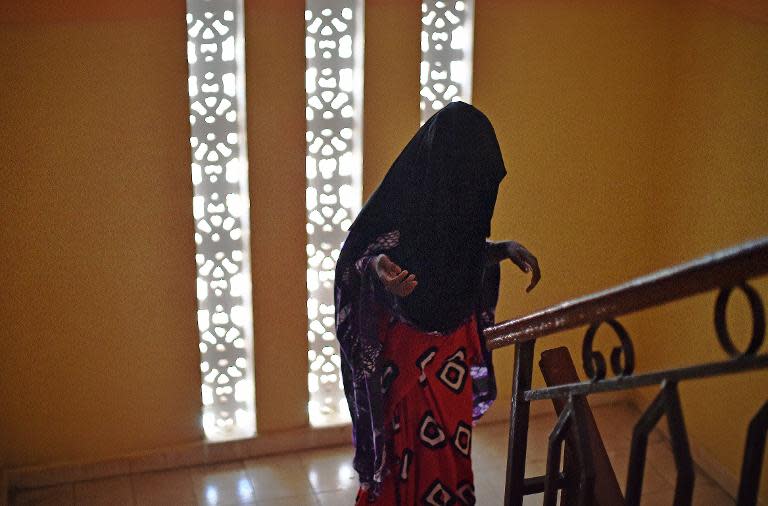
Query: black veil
point(439, 194)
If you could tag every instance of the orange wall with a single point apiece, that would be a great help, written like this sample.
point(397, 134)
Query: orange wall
point(635, 138)
point(710, 194)
point(631, 132)
point(570, 90)
point(98, 296)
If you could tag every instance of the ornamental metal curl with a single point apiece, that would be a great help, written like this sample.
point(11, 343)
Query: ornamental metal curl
point(758, 321)
point(594, 361)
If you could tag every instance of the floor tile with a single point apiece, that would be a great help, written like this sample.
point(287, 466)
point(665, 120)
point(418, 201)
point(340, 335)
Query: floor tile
point(160, 488)
point(533, 500)
point(489, 452)
point(309, 500)
point(538, 436)
point(703, 495)
point(278, 476)
point(615, 425)
point(222, 484)
point(660, 456)
point(492, 493)
point(330, 469)
point(617, 421)
point(344, 497)
point(112, 491)
point(325, 477)
point(653, 481)
point(711, 495)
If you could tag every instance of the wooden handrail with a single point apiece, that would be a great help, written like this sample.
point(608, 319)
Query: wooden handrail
point(724, 268)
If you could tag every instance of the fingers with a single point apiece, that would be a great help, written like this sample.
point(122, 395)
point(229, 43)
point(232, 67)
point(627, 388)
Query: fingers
point(392, 280)
point(534, 266)
point(519, 261)
point(402, 285)
point(392, 267)
point(397, 279)
point(407, 287)
point(525, 261)
point(386, 269)
point(388, 266)
point(515, 252)
point(534, 280)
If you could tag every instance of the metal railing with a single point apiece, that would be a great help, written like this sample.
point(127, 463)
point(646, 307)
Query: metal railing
point(724, 271)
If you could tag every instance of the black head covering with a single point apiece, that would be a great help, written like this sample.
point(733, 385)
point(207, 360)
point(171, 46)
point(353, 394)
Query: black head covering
point(439, 194)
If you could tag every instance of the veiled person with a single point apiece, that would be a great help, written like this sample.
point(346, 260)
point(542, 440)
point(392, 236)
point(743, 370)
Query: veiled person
point(416, 282)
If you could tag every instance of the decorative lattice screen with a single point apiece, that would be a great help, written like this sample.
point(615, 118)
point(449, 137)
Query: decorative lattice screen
point(446, 54)
point(334, 51)
point(220, 209)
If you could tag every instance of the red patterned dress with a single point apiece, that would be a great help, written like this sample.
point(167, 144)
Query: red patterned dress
point(428, 406)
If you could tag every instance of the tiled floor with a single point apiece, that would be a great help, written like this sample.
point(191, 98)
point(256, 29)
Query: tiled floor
point(325, 477)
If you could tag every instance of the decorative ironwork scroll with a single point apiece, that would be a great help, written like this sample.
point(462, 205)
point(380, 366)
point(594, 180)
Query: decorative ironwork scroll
point(594, 362)
point(722, 271)
point(758, 321)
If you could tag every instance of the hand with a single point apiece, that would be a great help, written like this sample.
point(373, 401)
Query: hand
point(525, 260)
point(395, 279)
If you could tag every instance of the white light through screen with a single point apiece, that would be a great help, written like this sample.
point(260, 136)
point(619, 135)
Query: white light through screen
point(220, 208)
point(446, 54)
point(334, 51)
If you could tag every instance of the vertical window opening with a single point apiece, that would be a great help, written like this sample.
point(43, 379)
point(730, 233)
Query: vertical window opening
point(220, 208)
point(334, 79)
point(446, 54)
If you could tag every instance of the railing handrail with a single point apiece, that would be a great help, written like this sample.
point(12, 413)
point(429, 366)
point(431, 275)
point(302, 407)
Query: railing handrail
point(724, 268)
